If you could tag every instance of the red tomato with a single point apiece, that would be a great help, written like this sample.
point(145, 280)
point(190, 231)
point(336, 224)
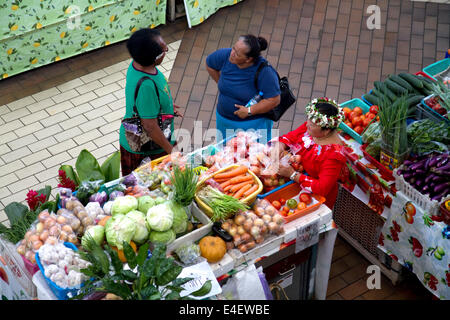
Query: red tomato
point(374, 109)
point(358, 111)
point(370, 116)
point(357, 121)
point(352, 115)
point(305, 197)
point(276, 204)
point(349, 124)
point(366, 122)
point(282, 201)
point(347, 111)
point(358, 129)
point(301, 205)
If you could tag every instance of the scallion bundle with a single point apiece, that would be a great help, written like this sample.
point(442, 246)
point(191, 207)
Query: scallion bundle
point(185, 184)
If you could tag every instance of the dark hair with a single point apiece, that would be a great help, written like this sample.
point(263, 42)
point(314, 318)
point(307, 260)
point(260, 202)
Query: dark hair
point(143, 47)
point(255, 44)
point(327, 109)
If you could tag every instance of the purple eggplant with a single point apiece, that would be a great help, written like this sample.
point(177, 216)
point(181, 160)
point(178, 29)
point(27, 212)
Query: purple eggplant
point(441, 187)
point(408, 176)
point(438, 178)
point(441, 195)
point(442, 162)
point(417, 165)
point(435, 160)
point(408, 163)
point(420, 171)
point(429, 178)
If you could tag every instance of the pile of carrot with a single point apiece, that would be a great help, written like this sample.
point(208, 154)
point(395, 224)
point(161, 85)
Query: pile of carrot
point(237, 182)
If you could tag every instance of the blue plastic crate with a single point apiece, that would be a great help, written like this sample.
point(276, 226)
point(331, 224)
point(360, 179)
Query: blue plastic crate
point(424, 111)
point(365, 101)
point(353, 104)
point(261, 196)
point(60, 293)
point(437, 67)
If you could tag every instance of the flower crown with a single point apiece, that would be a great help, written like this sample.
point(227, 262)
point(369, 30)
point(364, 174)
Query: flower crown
point(322, 120)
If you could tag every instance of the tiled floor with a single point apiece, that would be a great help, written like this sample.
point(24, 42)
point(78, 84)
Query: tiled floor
point(49, 114)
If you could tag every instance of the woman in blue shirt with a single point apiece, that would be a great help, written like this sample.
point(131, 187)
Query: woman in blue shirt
point(234, 70)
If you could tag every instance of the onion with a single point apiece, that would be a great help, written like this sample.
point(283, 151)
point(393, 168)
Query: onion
point(240, 230)
point(259, 211)
point(51, 240)
point(259, 222)
point(259, 240)
point(246, 237)
point(270, 210)
point(63, 236)
point(248, 224)
point(278, 218)
point(255, 232)
point(39, 227)
point(72, 238)
point(21, 250)
point(43, 216)
point(54, 231)
point(61, 220)
point(226, 226)
point(66, 228)
point(250, 245)
point(237, 240)
point(267, 218)
point(27, 235)
point(264, 229)
point(34, 237)
point(273, 227)
point(242, 248)
point(49, 223)
point(36, 245)
point(44, 235)
point(239, 219)
point(233, 230)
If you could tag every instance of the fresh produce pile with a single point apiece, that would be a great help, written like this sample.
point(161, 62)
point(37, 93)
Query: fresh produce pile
point(413, 87)
point(429, 174)
point(357, 120)
point(252, 227)
point(440, 101)
point(236, 182)
point(292, 206)
point(425, 136)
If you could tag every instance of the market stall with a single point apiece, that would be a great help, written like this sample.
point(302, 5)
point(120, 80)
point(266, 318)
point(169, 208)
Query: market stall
point(394, 209)
point(177, 203)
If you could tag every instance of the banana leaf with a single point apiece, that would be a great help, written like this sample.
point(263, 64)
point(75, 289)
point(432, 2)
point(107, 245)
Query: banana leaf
point(70, 173)
point(111, 167)
point(88, 168)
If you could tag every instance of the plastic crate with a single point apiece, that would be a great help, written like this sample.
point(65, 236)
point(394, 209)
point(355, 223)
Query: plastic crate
point(292, 191)
point(358, 220)
point(353, 104)
point(60, 293)
point(437, 67)
point(248, 200)
point(423, 74)
point(31, 268)
point(422, 200)
point(392, 160)
point(365, 101)
point(385, 172)
point(423, 111)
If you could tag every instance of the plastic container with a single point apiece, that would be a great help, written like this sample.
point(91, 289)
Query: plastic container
point(433, 69)
point(353, 104)
point(292, 190)
point(248, 200)
point(385, 172)
point(60, 293)
point(423, 74)
point(422, 200)
point(31, 268)
point(365, 101)
point(392, 160)
point(424, 111)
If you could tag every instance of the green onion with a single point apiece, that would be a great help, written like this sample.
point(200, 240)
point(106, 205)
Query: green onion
point(185, 184)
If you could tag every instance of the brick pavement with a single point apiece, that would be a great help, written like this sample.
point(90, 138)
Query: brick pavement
point(322, 46)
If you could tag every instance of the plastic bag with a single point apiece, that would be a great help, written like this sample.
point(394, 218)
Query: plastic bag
point(86, 189)
point(189, 253)
point(372, 133)
point(244, 285)
point(374, 148)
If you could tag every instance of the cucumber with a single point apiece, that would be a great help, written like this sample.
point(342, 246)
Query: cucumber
point(411, 111)
point(414, 100)
point(402, 82)
point(379, 94)
point(411, 79)
point(424, 79)
point(384, 89)
point(374, 100)
point(395, 88)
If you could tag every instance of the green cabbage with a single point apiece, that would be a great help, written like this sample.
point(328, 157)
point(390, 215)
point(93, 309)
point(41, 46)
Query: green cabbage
point(160, 200)
point(145, 203)
point(118, 229)
point(123, 205)
point(180, 218)
point(141, 233)
point(160, 217)
point(97, 233)
point(164, 237)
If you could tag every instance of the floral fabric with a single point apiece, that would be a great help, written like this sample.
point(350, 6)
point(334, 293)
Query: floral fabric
point(34, 33)
point(198, 11)
point(419, 242)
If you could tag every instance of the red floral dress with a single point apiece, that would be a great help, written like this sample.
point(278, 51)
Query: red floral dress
point(323, 163)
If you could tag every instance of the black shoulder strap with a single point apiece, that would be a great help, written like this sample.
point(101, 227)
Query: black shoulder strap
point(136, 91)
point(262, 65)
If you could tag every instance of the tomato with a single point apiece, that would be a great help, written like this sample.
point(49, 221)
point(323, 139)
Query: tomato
point(286, 209)
point(301, 206)
point(347, 111)
point(352, 115)
point(370, 116)
point(305, 197)
point(349, 124)
point(282, 201)
point(358, 129)
point(366, 122)
point(373, 109)
point(276, 204)
point(291, 203)
point(363, 117)
point(357, 121)
point(358, 110)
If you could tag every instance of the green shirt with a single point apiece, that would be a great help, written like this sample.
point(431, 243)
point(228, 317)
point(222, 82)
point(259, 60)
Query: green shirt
point(147, 101)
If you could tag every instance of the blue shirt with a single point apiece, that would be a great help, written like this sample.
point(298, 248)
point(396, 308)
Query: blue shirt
point(237, 86)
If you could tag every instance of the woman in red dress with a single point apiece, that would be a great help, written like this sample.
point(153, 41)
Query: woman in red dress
point(320, 148)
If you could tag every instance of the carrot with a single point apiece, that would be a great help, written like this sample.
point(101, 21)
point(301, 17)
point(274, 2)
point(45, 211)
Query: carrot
point(226, 183)
point(236, 187)
point(241, 191)
point(241, 178)
point(251, 190)
point(232, 173)
point(228, 187)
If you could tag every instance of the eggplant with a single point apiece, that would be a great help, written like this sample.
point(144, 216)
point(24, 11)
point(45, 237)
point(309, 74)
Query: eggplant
point(441, 195)
point(435, 160)
point(441, 187)
point(445, 167)
point(426, 189)
point(408, 176)
point(442, 162)
point(420, 171)
point(408, 163)
point(429, 178)
point(438, 178)
point(417, 165)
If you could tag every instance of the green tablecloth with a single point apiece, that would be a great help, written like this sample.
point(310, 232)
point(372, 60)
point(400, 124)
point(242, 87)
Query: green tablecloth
point(34, 33)
point(198, 11)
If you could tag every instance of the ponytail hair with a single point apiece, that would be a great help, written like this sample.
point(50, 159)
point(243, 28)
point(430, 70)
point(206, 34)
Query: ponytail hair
point(255, 45)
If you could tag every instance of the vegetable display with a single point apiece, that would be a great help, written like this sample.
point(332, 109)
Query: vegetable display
point(357, 120)
point(425, 136)
point(440, 101)
point(429, 174)
point(185, 183)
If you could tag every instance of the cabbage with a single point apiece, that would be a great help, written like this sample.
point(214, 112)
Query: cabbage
point(145, 203)
point(165, 237)
point(118, 229)
point(180, 218)
point(107, 207)
point(123, 205)
point(141, 233)
point(160, 217)
point(160, 200)
point(95, 232)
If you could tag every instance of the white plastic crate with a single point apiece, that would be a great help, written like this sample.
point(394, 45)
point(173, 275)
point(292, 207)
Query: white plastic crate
point(422, 200)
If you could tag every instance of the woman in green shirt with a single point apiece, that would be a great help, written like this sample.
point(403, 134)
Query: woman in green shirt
point(147, 48)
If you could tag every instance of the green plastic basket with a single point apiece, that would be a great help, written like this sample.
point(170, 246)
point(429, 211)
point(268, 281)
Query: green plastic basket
point(437, 67)
point(353, 104)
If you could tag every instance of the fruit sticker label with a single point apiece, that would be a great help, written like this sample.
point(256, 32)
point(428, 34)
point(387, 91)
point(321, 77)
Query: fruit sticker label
point(420, 242)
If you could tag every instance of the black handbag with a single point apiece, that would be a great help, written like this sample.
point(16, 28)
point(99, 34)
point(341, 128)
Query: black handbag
point(287, 98)
point(136, 135)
